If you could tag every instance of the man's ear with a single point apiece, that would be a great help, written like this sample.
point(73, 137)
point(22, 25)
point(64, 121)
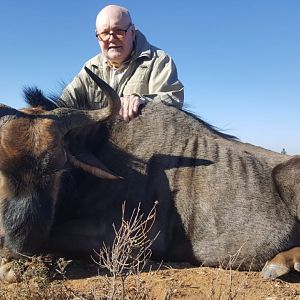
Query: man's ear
point(133, 30)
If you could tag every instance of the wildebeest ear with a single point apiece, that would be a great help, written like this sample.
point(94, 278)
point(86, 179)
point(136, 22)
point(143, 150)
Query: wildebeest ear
point(91, 164)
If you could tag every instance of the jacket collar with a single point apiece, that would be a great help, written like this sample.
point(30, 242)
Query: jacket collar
point(142, 46)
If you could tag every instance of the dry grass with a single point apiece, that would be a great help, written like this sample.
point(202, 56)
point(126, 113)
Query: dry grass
point(47, 279)
point(128, 255)
point(228, 288)
point(37, 281)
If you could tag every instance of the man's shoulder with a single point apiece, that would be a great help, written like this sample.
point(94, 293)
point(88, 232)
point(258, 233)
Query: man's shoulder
point(159, 52)
point(147, 49)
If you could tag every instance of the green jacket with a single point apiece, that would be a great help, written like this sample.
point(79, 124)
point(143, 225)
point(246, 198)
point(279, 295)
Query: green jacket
point(150, 73)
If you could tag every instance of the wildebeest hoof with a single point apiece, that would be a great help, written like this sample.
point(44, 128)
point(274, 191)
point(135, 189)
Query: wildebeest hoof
point(7, 272)
point(273, 271)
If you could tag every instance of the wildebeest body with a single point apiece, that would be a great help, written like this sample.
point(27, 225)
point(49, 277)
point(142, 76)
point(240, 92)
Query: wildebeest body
point(216, 195)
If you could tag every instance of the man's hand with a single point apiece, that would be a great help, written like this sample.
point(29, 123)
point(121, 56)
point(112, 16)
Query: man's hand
point(129, 107)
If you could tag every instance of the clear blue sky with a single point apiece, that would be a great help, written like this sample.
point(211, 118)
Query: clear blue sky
point(238, 59)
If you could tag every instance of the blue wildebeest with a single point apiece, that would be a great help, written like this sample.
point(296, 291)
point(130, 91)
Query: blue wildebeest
point(65, 171)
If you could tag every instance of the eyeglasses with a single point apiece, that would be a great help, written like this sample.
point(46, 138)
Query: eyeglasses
point(117, 33)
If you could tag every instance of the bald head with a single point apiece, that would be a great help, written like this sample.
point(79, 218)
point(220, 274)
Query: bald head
point(111, 13)
point(114, 23)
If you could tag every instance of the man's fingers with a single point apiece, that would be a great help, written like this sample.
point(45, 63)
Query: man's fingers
point(133, 106)
point(136, 104)
point(124, 109)
point(129, 107)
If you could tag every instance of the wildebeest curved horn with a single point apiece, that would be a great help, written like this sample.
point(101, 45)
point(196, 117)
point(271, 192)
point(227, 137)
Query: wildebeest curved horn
point(73, 118)
point(91, 164)
point(107, 89)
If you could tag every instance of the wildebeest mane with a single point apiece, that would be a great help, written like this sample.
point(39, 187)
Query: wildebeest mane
point(214, 129)
point(82, 101)
point(35, 97)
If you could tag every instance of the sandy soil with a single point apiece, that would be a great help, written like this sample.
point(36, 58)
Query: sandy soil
point(175, 281)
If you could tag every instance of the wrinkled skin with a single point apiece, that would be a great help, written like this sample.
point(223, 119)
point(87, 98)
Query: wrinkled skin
point(217, 196)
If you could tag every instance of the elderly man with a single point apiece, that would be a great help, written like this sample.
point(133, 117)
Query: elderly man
point(138, 71)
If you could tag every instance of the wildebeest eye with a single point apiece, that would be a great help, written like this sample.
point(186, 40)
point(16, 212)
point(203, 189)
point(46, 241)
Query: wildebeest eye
point(55, 161)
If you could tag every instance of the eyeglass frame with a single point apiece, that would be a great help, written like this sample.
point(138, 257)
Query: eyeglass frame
point(113, 33)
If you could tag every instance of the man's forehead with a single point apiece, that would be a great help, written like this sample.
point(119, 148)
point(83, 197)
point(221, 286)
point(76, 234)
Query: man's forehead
point(112, 19)
point(110, 23)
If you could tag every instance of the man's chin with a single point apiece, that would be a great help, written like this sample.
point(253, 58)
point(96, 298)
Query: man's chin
point(115, 61)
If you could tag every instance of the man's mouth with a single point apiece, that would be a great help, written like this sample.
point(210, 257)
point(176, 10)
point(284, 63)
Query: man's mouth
point(114, 47)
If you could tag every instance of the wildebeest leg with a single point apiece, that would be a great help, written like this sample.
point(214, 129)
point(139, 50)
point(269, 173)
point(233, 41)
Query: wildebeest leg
point(282, 263)
point(287, 179)
point(6, 264)
point(7, 272)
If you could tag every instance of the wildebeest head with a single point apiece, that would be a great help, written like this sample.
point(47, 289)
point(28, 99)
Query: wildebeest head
point(32, 158)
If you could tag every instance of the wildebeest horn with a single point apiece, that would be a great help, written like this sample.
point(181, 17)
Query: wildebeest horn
point(73, 118)
point(107, 89)
point(91, 164)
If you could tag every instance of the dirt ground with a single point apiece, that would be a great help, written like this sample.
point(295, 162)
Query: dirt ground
point(163, 282)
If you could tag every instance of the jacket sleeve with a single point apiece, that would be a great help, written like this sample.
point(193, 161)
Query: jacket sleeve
point(164, 84)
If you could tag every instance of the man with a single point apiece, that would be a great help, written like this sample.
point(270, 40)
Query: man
point(138, 71)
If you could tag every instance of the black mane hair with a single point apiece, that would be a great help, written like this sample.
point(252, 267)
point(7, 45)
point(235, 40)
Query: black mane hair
point(214, 129)
point(35, 97)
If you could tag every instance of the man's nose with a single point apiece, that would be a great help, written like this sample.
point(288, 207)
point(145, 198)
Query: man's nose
point(111, 36)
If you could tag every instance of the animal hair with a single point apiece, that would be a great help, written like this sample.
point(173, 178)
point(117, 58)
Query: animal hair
point(35, 97)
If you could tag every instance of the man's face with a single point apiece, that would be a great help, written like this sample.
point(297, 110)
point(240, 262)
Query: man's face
point(120, 43)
